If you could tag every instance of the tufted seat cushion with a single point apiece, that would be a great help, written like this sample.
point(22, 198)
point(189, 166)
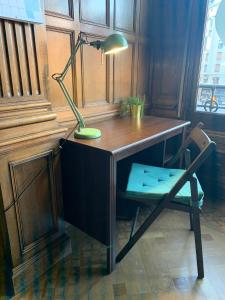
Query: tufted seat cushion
point(149, 182)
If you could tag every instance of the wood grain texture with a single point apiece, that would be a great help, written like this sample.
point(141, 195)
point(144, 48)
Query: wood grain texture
point(171, 18)
point(5, 74)
point(59, 7)
point(6, 284)
point(34, 196)
point(155, 268)
point(20, 71)
point(118, 135)
point(89, 13)
point(123, 67)
point(124, 15)
point(63, 40)
point(95, 75)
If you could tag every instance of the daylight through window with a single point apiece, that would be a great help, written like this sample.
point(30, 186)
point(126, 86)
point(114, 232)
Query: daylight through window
point(211, 87)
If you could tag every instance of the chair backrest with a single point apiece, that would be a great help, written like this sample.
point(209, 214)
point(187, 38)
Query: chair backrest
point(205, 146)
point(199, 137)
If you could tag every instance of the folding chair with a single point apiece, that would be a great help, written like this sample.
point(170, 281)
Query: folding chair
point(170, 188)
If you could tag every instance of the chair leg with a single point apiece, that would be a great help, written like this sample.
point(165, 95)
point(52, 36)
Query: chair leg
point(141, 230)
point(198, 242)
point(134, 222)
point(191, 219)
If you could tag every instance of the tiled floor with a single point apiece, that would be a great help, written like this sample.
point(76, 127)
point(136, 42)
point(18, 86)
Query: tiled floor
point(161, 265)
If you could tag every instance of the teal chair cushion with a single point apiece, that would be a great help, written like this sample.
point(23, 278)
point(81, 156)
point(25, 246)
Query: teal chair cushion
point(152, 183)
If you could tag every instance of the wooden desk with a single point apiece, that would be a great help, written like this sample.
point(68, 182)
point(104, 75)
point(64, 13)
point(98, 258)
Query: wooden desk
point(89, 172)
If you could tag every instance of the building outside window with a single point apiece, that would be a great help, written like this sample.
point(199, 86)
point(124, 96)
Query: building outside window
point(219, 55)
point(220, 45)
point(205, 79)
point(212, 74)
point(217, 68)
point(216, 80)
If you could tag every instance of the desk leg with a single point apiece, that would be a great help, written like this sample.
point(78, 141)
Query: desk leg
point(111, 250)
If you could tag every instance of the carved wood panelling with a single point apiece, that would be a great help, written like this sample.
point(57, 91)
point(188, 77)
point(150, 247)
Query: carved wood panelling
point(143, 70)
point(95, 75)
point(57, 58)
point(125, 15)
point(97, 88)
point(61, 7)
point(123, 73)
point(33, 191)
point(168, 29)
point(19, 69)
point(144, 20)
point(29, 55)
point(95, 12)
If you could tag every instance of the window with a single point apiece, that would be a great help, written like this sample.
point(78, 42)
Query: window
point(220, 45)
point(219, 55)
point(205, 79)
point(217, 68)
point(211, 83)
point(215, 80)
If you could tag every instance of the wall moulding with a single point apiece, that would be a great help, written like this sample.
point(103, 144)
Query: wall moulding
point(29, 130)
point(23, 106)
point(25, 120)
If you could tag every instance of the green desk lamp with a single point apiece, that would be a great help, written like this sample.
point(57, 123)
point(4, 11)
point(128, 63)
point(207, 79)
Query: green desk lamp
point(112, 44)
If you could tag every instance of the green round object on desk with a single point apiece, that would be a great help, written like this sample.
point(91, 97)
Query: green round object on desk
point(87, 133)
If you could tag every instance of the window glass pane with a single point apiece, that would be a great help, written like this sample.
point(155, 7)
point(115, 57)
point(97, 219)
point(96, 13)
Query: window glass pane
point(211, 87)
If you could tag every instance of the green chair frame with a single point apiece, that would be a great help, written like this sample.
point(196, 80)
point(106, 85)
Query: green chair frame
point(205, 146)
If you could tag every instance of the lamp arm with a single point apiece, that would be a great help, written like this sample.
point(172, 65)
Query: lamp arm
point(76, 112)
point(59, 77)
point(70, 61)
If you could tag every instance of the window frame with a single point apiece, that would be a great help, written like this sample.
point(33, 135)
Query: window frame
point(212, 121)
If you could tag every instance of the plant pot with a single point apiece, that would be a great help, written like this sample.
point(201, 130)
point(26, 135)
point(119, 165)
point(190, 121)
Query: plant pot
point(135, 111)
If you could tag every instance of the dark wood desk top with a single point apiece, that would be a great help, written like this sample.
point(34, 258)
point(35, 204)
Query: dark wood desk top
point(120, 134)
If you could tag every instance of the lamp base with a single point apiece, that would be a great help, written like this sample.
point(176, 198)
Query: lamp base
point(87, 133)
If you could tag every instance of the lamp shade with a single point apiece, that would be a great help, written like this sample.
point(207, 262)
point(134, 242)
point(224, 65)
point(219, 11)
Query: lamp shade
point(114, 43)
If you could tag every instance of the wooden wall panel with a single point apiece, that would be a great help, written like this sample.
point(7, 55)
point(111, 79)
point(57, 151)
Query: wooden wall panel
point(19, 65)
point(32, 59)
point(29, 55)
point(124, 15)
point(89, 13)
point(63, 7)
point(59, 46)
point(123, 73)
point(22, 56)
point(144, 22)
point(95, 75)
point(143, 70)
point(13, 59)
point(4, 64)
point(168, 33)
point(33, 194)
point(98, 88)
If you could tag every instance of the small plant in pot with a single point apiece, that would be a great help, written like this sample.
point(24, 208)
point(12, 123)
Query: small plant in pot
point(133, 106)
